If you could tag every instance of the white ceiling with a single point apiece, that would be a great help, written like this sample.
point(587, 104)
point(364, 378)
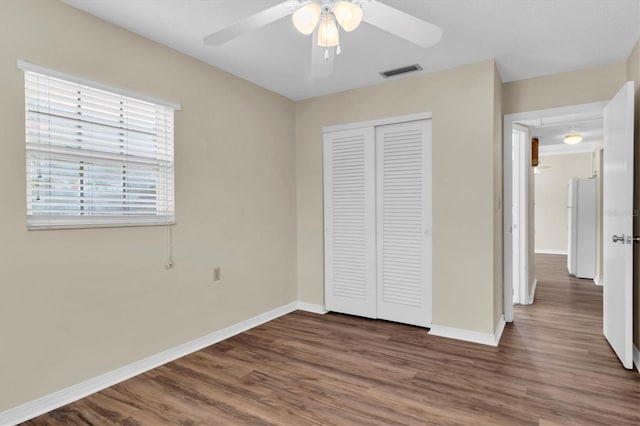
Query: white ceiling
point(527, 38)
point(552, 130)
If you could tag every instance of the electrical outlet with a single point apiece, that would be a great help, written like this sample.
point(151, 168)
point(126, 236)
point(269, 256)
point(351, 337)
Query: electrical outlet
point(216, 273)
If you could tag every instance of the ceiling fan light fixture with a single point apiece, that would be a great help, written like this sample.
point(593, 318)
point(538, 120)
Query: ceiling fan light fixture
point(328, 35)
point(306, 18)
point(348, 15)
point(572, 139)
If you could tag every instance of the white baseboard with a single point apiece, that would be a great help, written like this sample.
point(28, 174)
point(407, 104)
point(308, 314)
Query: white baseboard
point(550, 251)
point(597, 281)
point(312, 307)
point(468, 335)
point(65, 396)
point(532, 293)
point(497, 335)
point(636, 357)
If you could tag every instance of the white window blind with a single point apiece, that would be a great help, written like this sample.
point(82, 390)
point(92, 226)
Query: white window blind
point(95, 157)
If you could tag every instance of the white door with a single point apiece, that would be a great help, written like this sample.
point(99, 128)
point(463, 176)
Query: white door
point(403, 192)
point(618, 223)
point(349, 212)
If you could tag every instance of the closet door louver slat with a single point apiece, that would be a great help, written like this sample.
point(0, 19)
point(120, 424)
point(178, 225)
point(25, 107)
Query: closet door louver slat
point(349, 200)
point(403, 191)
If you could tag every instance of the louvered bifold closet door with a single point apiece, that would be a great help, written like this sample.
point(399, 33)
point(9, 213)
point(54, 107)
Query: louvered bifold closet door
point(349, 212)
point(403, 192)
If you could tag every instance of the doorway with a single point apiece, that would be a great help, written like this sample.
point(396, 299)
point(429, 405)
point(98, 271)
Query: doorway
point(519, 233)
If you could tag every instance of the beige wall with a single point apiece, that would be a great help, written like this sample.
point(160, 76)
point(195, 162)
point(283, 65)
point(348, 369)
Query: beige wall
point(633, 74)
point(551, 221)
point(564, 89)
point(77, 303)
point(464, 192)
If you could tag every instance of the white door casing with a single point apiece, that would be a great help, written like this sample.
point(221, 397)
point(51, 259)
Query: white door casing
point(520, 213)
point(618, 223)
point(349, 212)
point(404, 245)
point(514, 230)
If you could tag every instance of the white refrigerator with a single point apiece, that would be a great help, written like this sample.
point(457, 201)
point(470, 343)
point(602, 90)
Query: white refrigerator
point(581, 259)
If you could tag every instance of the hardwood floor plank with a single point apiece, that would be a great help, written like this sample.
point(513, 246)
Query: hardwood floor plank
point(553, 367)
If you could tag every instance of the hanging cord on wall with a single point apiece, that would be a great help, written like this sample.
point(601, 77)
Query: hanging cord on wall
point(169, 263)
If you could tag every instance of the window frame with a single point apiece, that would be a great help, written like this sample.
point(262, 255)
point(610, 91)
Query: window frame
point(97, 161)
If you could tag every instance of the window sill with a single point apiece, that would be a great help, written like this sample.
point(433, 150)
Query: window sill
point(56, 225)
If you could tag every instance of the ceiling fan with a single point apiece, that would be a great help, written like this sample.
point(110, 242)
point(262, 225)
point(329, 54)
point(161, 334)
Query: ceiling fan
point(325, 18)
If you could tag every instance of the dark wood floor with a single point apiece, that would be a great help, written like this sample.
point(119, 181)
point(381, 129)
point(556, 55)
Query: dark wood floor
point(552, 367)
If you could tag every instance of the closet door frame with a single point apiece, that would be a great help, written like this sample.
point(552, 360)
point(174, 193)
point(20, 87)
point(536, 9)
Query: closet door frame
point(378, 122)
point(326, 167)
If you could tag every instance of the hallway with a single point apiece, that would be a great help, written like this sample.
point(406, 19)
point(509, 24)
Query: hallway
point(563, 352)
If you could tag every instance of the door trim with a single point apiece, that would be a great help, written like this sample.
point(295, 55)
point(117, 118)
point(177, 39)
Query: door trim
point(521, 254)
point(378, 122)
point(508, 121)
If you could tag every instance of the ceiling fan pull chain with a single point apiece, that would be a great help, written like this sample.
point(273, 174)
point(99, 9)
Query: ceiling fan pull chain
point(326, 54)
point(338, 50)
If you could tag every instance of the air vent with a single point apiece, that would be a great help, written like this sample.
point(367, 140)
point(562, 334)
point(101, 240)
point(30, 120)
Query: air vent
point(403, 70)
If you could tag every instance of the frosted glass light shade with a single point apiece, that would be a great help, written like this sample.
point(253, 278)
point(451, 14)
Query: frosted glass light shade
point(348, 15)
point(573, 139)
point(306, 18)
point(328, 31)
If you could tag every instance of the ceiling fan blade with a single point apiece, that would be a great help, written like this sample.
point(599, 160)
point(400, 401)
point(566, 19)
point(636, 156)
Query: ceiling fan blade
point(321, 67)
point(251, 23)
point(401, 24)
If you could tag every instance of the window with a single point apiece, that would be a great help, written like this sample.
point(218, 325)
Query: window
point(95, 157)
